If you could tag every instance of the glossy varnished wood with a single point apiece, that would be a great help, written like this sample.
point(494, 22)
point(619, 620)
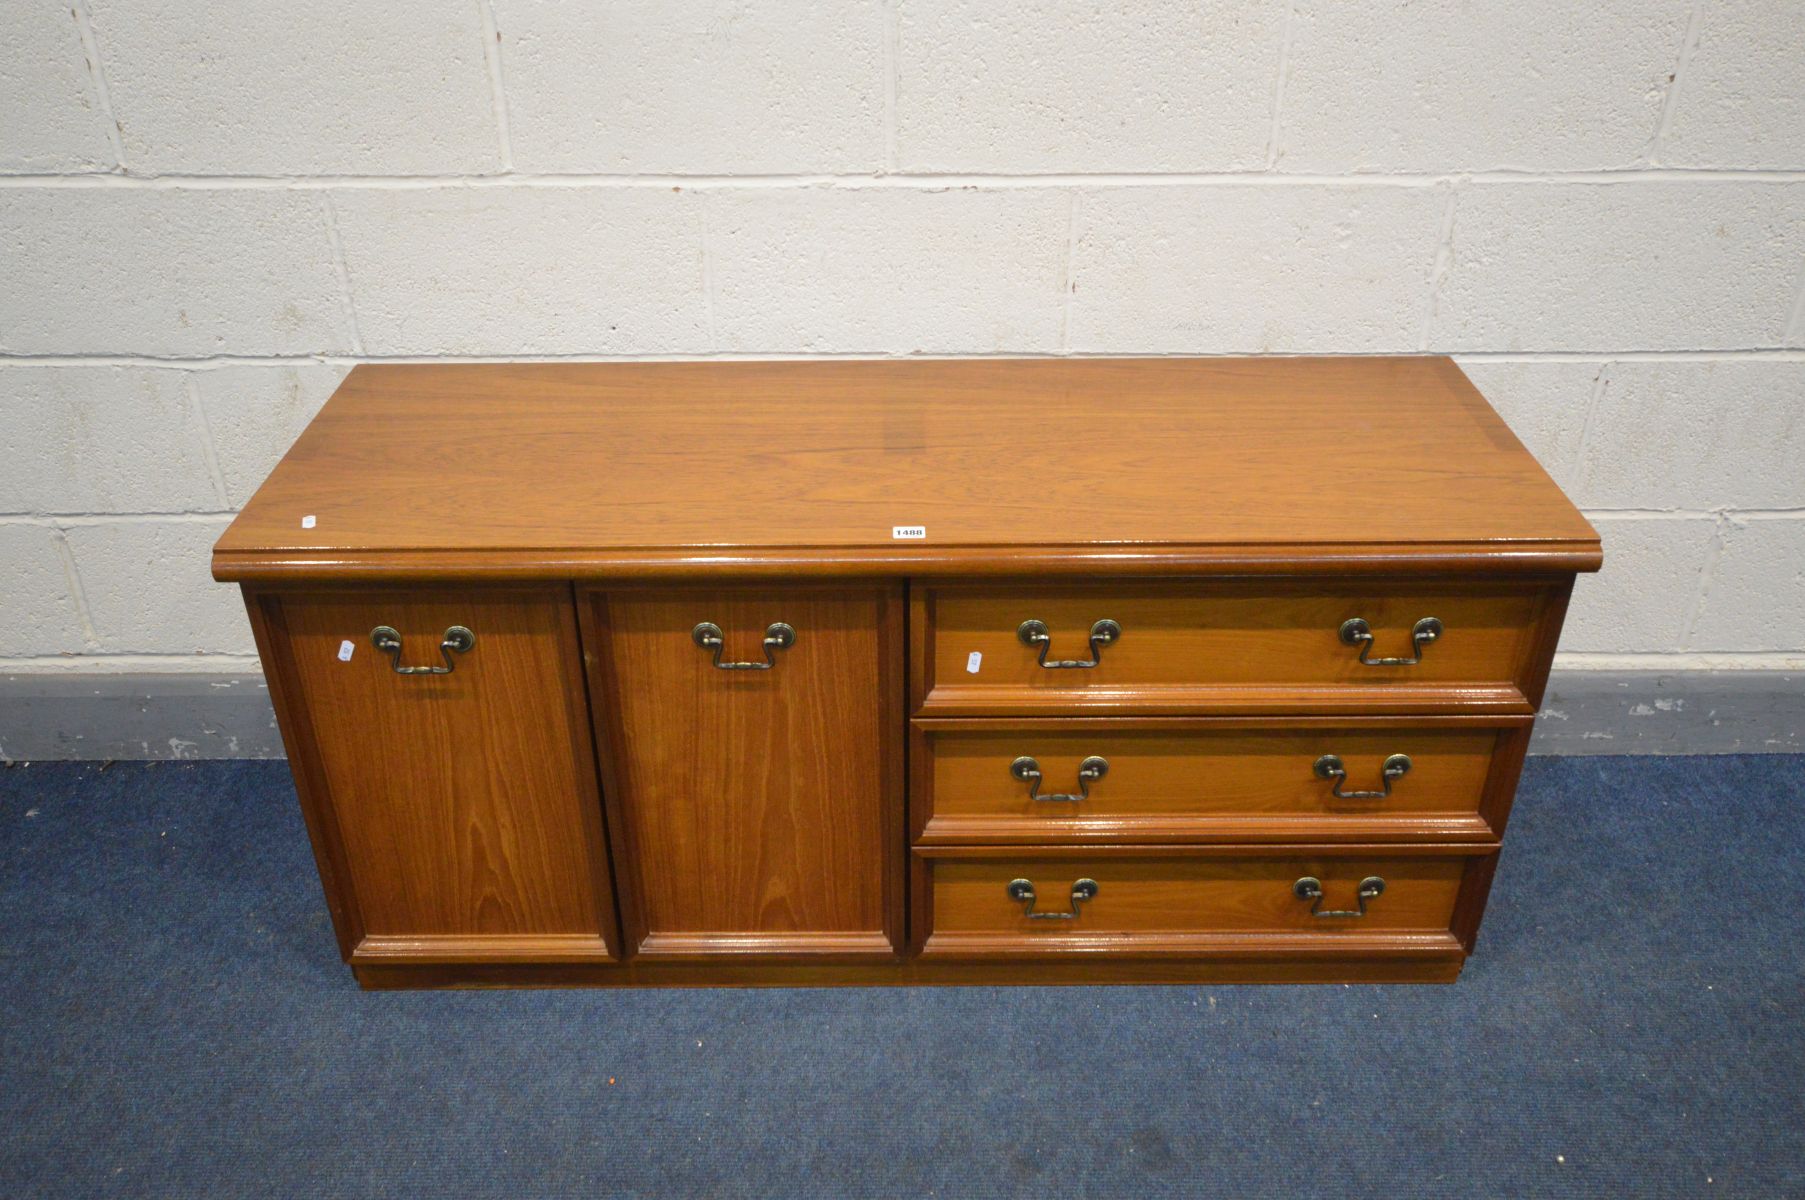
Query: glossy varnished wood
point(582, 470)
point(1227, 645)
point(757, 812)
point(1212, 779)
point(1392, 961)
point(455, 816)
point(848, 817)
point(1202, 900)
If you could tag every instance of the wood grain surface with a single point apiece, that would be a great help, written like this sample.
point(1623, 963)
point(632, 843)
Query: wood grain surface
point(463, 806)
point(1175, 897)
point(586, 799)
point(1230, 643)
point(1393, 959)
point(755, 812)
point(565, 470)
point(1200, 780)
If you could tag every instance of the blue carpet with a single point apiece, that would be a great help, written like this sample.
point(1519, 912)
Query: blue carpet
point(176, 1023)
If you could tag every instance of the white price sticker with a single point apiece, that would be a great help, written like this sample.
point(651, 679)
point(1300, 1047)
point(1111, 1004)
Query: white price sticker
point(345, 649)
point(973, 660)
point(909, 533)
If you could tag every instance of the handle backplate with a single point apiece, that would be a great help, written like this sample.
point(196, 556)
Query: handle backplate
point(1356, 632)
point(778, 636)
point(1330, 766)
point(1036, 634)
point(1022, 892)
point(457, 640)
point(1089, 771)
point(1310, 888)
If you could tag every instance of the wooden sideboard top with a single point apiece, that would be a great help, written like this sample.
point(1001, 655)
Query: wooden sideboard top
point(1012, 466)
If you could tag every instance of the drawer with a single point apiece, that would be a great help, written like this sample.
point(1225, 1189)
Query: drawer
point(1252, 645)
point(1077, 779)
point(1228, 900)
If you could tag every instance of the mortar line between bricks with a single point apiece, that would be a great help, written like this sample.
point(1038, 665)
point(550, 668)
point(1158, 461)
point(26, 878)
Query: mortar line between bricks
point(78, 595)
point(1795, 325)
point(498, 91)
point(1759, 511)
point(1657, 145)
point(202, 663)
point(221, 361)
point(892, 68)
point(1679, 660)
point(903, 181)
point(1441, 264)
point(1278, 87)
point(209, 450)
point(103, 96)
point(1707, 574)
point(341, 267)
point(1068, 283)
point(705, 233)
point(1601, 386)
point(72, 520)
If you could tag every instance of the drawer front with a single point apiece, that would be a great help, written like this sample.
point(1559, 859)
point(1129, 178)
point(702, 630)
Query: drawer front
point(1226, 645)
point(453, 802)
point(1117, 901)
point(753, 779)
point(1085, 780)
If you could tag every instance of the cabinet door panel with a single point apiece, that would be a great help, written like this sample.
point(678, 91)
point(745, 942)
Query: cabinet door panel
point(757, 811)
point(461, 808)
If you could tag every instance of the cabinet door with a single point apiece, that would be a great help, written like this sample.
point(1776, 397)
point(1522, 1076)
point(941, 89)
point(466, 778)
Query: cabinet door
point(757, 810)
point(455, 815)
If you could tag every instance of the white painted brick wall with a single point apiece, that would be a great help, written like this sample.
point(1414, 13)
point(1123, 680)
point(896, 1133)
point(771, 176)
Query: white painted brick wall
point(1404, 85)
point(1076, 86)
point(967, 271)
point(1546, 405)
point(1697, 435)
point(1638, 265)
point(1741, 103)
point(42, 620)
point(1644, 603)
point(1308, 269)
point(168, 272)
point(713, 87)
point(1762, 561)
point(85, 439)
point(254, 414)
point(53, 118)
point(399, 87)
point(148, 590)
point(209, 212)
point(531, 270)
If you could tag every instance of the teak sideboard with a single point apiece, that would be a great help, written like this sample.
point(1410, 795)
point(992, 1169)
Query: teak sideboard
point(982, 671)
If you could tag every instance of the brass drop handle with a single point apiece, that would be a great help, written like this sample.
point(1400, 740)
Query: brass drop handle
point(1022, 892)
point(1356, 632)
point(1089, 771)
point(1310, 888)
point(778, 636)
point(1034, 633)
point(457, 640)
point(1329, 766)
